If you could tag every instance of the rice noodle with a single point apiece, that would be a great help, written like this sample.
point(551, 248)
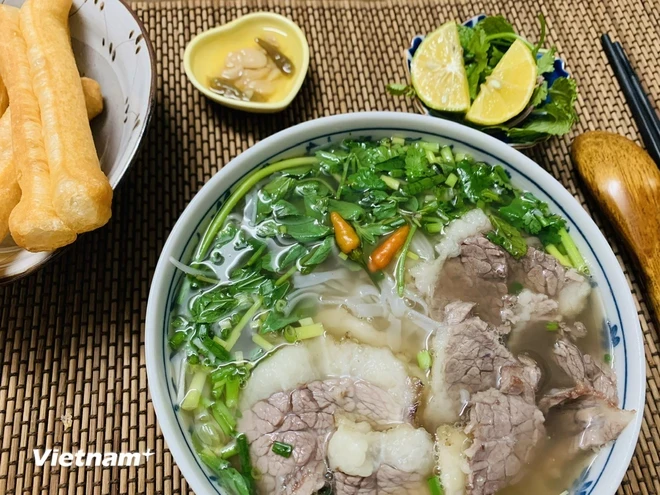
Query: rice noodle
point(178, 363)
point(295, 297)
point(423, 321)
point(317, 278)
point(421, 246)
point(188, 270)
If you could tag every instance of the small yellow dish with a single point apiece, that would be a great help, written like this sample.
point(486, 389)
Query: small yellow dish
point(205, 56)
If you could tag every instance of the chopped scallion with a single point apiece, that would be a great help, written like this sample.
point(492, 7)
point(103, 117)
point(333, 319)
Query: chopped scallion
point(245, 319)
point(398, 140)
point(424, 359)
point(290, 334)
point(282, 449)
point(194, 393)
point(435, 486)
point(554, 251)
point(262, 342)
point(552, 326)
point(451, 180)
point(306, 321)
point(425, 145)
point(343, 256)
point(391, 182)
point(310, 331)
point(412, 256)
point(573, 253)
point(447, 155)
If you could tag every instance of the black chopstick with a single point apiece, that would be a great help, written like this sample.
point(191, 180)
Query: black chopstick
point(643, 113)
point(649, 112)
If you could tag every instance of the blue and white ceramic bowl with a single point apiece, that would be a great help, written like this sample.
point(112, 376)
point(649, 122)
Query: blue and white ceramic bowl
point(621, 328)
point(110, 45)
point(550, 77)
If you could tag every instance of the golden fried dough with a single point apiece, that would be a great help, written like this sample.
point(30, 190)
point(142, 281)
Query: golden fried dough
point(10, 192)
point(4, 98)
point(33, 223)
point(81, 193)
point(93, 97)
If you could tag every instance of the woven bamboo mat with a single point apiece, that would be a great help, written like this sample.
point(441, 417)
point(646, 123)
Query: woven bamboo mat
point(72, 365)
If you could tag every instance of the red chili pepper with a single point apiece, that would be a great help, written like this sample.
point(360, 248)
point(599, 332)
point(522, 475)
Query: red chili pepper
point(345, 235)
point(384, 253)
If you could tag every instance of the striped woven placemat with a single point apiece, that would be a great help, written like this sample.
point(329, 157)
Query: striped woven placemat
point(72, 366)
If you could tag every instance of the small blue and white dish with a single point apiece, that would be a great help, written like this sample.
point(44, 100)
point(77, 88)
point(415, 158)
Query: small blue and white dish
point(550, 77)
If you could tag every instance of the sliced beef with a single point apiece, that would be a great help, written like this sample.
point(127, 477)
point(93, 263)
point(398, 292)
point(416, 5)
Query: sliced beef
point(542, 273)
point(303, 418)
point(468, 356)
point(370, 462)
point(589, 422)
point(478, 274)
point(587, 374)
point(505, 429)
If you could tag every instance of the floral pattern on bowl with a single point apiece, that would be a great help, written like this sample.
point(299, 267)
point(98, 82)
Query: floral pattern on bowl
point(550, 77)
point(110, 44)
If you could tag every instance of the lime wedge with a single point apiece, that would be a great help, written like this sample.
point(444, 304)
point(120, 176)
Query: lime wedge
point(507, 91)
point(437, 71)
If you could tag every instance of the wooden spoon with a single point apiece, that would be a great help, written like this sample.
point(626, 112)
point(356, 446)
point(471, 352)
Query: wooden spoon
point(626, 183)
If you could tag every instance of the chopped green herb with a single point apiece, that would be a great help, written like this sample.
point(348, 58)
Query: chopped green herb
point(282, 449)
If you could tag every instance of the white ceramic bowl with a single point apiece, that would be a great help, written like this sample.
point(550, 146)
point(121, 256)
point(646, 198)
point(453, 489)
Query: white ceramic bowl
point(110, 45)
point(605, 474)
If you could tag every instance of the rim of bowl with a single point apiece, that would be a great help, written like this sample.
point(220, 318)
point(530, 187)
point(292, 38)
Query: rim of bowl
point(251, 158)
point(249, 106)
point(132, 156)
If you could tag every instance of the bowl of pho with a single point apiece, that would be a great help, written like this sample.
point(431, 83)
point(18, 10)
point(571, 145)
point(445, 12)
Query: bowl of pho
point(383, 303)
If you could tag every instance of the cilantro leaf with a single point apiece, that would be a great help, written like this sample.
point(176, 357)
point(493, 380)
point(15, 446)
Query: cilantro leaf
point(495, 25)
point(546, 62)
point(417, 165)
point(507, 236)
point(401, 90)
point(529, 214)
point(365, 179)
point(475, 55)
point(558, 115)
point(539, 95)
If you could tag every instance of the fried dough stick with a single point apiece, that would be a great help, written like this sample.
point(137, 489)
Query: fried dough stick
point(33, 222)
point(4, 98)
point(81, 193)
point(10, 192)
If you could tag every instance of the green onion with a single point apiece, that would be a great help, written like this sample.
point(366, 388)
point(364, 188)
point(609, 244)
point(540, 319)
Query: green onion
point(424, 359)
point(343, 256)
point(398, 140)
point(245, 462)
point(607, 358)
point(229, 450)
point(231, 392)
point(194, 393)
point(236, 331)
point(447, 155)
point(391, 182)
point(218, 221)
point(306, 321)
point(573, 253)
point(282, 449)
point(435, 486)
point(280, 304)
point(425, 145)
point(412, 256)
point(177, 340)
point(552, 326)
point(309, 331)
point(515, 288)
point(256, 255)
point(554, 251)
point(401, 264)
point(216, 348)
point(451, 180)
point(290, 334)
point(286, 276)
point(460, 156)
point(224, 418)
point(262, 342)
point(219, 341)
point(430, 156)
